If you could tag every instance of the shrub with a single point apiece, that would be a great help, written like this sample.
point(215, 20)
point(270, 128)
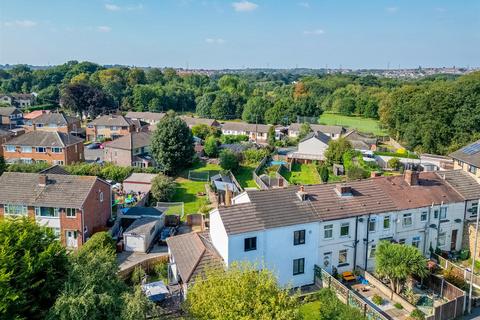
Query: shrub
point(356, 173)
point(398, 305)
point(211, 146)
point(229, 160)
point(377, 300)
point(163, 188)
point(323, 172)
point(450, 276)
point(161, 270)
point(394, 163)
point(229, 139)
point(417, 315)
point(201, 131)
point(254, 155)
point(137, 275)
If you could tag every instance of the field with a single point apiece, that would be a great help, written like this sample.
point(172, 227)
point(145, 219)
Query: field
point(310, 310)
point(365, 125)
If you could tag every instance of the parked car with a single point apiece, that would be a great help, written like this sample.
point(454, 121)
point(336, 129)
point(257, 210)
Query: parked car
point(94, 145)
point(166, 233)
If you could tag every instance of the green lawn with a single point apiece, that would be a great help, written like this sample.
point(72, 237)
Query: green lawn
point(362, 124)
point(310, 310)
point(188, 190)
point(302, 174)
point(244, 176)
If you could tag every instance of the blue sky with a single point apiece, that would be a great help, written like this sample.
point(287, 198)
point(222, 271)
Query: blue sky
point(238, 33)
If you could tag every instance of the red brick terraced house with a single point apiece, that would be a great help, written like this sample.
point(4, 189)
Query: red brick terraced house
point(42, 146)
point(74, 207)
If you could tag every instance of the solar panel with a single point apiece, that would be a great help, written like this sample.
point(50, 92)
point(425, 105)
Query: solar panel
point(472, 149)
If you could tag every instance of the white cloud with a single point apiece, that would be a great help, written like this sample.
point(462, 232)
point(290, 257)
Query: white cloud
point(304, 4)
point(215, 40)
point(112, 7)
point(21, 23)
point(315, 32)
point(392, 9)
point(104, 28)
point(244, 6)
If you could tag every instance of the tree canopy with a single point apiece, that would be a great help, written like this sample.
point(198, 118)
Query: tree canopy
point(33, 268)
point(241, 292)
point(172, 144)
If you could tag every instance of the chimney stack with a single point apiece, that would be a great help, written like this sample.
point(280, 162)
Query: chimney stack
point(42, 180)
point(344, 190)
point(228, 198)
point(411, 177)
point(301, 194)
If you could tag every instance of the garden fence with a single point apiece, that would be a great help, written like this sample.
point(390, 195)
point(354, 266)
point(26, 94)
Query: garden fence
point(347, 296)
point(261, 185)
point(458, 270)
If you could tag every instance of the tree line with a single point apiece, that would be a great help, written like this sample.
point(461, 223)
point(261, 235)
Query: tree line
point(435, 114)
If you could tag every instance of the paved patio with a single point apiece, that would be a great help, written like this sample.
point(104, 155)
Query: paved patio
point(368, 291)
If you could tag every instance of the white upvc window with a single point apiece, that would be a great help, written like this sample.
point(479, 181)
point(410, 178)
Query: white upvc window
point(328, 231)
point(27, 149)
point(344, 229)
point(59, 162)
point(342, 256)
point(424, 216)
point(416, 241)
point(442, 238)
point(407, 219)
point(372, 225)
point(56, 150)
point(386, 222)
point(371, 251)
point(10, 148)
point(40, 150)
point(52, 125)
point(443, 213)
point(15, 210)
point(26, 160)
point(70, 212)
point(101, 196)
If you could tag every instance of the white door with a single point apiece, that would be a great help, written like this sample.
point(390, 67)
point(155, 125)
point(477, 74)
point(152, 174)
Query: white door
point(71, 238)
point(327, 262)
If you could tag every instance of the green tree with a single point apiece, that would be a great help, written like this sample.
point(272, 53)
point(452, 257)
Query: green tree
point(254, 110)
point(93, 289)
point(137, 306)
point(398, 262)
point(304, 130)
point(331, 308)
point(33, 268)
point(172, 144)
point(241, 292)
point(82, 98)
point(163, 188)
point(323, 172)
point(271, 136)
point(229, 160)
point(336, 149)
point(355, 172)
point(201, 131)
point(211, 146)
point(3, 165)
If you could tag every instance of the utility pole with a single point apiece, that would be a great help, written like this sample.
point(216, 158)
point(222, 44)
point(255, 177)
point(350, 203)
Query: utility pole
point(473, 261)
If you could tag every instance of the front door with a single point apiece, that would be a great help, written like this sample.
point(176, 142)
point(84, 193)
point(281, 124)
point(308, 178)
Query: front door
point(453, 244)
point(327, 262)
point(71, 238)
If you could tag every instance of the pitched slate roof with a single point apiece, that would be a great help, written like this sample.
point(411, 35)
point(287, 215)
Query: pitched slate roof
point(243, 126)
point(193, 253)
point(58, 118)
point(461, 181)
point(61, 191)
point(112, 120)
point(318, 127)
point(45, 139)
point(55, 169)
point(152, 116)
point(282, 207)
point(318, 135)
point(142, 226)
point(469, 154)
point(7, 111)
point(131, 141)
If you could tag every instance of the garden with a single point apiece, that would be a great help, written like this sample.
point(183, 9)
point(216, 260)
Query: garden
point(362, 124)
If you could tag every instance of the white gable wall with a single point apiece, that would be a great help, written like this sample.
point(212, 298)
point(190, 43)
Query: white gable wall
point(312, 146)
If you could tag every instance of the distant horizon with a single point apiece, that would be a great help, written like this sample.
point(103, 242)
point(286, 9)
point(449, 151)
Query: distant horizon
point(239, 34)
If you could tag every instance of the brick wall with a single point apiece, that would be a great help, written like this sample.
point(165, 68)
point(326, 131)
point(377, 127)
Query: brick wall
point(118, 157)
point(92, 133)
point(71, 223)
point(469, 237)
point(96, 213)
